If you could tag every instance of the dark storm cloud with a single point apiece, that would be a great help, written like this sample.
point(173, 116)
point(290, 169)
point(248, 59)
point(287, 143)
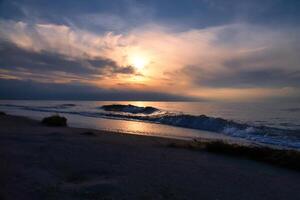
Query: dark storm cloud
point(14, 57)
point(20, 89)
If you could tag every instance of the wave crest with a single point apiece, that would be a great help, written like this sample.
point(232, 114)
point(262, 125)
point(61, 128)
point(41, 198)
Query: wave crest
point(262, 134)
point(129, 109)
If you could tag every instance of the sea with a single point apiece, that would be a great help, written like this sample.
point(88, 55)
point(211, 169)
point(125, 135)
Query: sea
point(276, 124)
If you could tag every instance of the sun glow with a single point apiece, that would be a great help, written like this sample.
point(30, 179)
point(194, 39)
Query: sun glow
point(139, 62)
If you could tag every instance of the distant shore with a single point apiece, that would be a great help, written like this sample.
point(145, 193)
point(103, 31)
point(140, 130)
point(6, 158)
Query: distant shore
point(41, 162)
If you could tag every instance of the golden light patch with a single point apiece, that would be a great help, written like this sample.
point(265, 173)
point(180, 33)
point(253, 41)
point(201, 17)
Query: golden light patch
point(139, 62)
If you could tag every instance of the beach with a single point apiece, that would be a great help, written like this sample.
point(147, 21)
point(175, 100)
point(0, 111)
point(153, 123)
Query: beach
point(41, 162)
point(150, 100)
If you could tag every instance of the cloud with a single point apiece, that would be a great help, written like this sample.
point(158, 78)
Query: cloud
point(196, 62)
point(16, 60)
point(60, 39)
point(245, 78)
point(25, 89)
point(239, 56)
point(106, 21)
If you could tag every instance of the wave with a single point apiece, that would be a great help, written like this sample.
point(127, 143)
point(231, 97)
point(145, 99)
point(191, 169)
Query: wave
point(129, 109)
point(262, 134)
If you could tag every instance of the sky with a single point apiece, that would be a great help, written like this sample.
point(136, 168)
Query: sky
point(163, 50)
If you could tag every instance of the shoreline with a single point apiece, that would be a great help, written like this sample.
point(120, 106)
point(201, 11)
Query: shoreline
point(77, 163)
point(96, 131)
point(169, 125)
point(228, 147)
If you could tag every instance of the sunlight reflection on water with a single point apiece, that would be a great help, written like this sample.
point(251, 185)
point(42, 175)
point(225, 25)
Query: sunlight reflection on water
point(126, 126)
point(87, 114)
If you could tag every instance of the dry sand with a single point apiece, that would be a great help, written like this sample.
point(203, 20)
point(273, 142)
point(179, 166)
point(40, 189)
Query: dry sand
point(39, 162)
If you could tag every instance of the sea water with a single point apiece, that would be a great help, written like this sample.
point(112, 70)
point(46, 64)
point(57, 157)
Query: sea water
point(275, 124)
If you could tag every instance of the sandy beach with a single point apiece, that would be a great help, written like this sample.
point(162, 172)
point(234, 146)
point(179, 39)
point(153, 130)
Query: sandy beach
point(40, 162)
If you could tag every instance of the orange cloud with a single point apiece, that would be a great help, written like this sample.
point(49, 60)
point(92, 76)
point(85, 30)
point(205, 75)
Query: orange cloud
point(163, 56)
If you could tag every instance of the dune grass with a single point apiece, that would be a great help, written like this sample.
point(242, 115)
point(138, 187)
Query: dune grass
point(280, 157)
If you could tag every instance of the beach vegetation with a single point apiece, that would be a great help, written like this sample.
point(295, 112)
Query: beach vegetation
point(55, 120)
point(287, 158)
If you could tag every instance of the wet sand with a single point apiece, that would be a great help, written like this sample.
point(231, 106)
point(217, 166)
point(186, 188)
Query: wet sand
point(39, 162)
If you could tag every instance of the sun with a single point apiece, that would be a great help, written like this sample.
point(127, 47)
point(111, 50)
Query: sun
point(139, 62)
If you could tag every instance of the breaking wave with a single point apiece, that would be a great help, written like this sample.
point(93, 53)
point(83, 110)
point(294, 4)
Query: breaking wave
point(129, 109)
point(262, 134)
